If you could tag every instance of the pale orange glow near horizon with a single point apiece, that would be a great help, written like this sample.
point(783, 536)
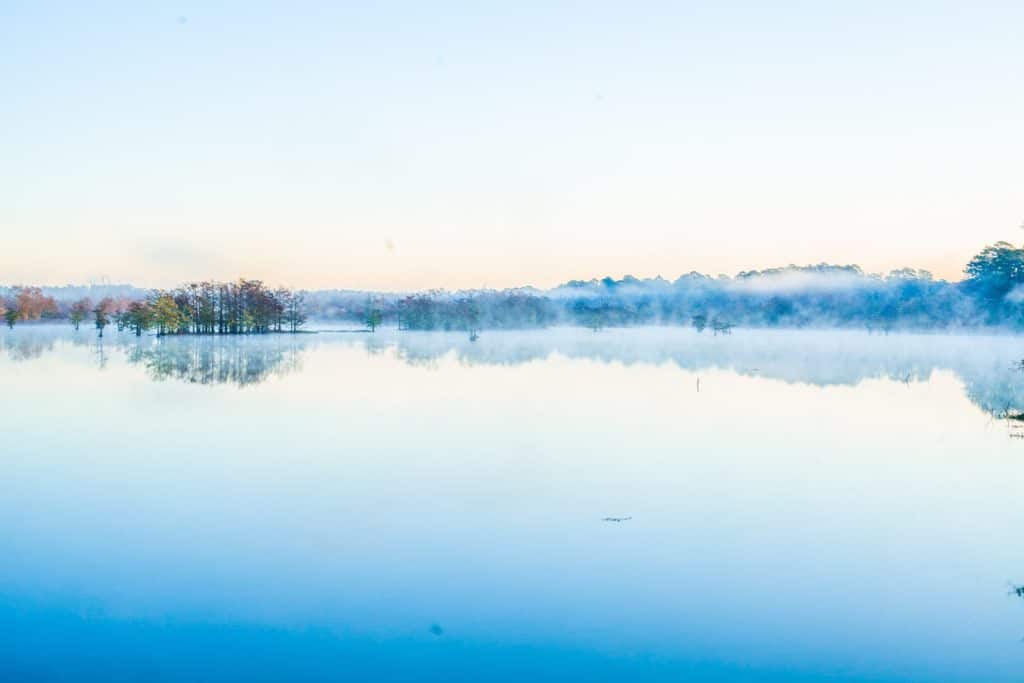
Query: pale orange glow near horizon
point(418, 265)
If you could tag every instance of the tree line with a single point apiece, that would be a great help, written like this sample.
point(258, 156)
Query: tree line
point(208, 307)
point(823, 295)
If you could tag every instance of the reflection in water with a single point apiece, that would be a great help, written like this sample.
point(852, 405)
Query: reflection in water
point(400, 498)
point(203, 360)
point(25, 347)
point(240, 361)
point(989, 367)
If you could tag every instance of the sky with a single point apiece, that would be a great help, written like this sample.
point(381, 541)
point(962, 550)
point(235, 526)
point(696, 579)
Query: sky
point(409, 145)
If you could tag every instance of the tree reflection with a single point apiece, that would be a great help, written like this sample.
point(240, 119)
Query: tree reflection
point(201, 360)
point(23, 348)
point(988, 367)
point(241, 361)
point(992, 379)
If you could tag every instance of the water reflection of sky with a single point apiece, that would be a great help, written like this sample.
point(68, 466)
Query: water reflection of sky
point(854, 521)
point(989, 366)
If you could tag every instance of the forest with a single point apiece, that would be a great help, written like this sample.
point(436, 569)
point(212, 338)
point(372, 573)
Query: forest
point(991, 294)
point(842, 296)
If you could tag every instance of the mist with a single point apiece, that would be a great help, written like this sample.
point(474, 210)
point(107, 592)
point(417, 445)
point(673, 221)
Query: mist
point(797, 297)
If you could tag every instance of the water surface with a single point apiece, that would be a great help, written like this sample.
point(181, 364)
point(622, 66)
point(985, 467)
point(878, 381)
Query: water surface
point(803, 506)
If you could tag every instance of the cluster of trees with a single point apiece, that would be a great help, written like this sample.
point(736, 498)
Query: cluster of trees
point(31, 303)
point(424, 312)
point(437, 310)
point(27, 303)
point(242, 307)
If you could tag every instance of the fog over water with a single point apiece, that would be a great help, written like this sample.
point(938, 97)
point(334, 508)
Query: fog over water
point(629, 504)
point(989, 366)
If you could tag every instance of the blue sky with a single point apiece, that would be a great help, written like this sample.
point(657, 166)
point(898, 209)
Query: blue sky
point(405, 145)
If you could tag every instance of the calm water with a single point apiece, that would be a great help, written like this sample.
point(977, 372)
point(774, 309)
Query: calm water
point(804, 506)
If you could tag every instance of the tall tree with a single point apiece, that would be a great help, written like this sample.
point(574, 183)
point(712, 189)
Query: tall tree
point(79, 311)
point(11, 313)
point(295, 316)
point(996, 271)
point(138, 317)
point(166, 315)
point(32, 304)
point(372, 316)
point(102, 313)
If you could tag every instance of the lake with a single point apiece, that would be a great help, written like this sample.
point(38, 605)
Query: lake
point(643, 504)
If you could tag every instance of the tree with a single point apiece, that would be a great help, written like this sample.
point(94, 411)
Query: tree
point(700, 321)
point(32, 304)
point(723, 326)
point(997, 270)
point(101, 313)
point(79, 311)
point(591, 314)
point(11, 314)
point(417, 312)
point(138, 317)
point(295, 314)
point(467, 315)
point(166, 315)
point(372, 316)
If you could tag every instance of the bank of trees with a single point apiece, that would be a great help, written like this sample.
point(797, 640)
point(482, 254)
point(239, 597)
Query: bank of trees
point(991, 294)
point(437, 310)
point(427, 312)
point(824, 295)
